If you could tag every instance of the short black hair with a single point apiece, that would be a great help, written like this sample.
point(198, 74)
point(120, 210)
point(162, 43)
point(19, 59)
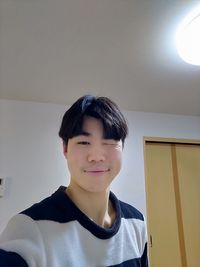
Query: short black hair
point(103, 108)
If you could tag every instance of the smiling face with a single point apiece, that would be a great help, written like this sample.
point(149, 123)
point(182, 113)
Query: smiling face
point(93, 161)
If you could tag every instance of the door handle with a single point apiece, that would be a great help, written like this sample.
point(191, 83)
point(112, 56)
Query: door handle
point(151, 241)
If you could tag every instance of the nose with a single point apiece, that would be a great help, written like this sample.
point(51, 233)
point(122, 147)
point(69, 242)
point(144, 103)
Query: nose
point(96, 153)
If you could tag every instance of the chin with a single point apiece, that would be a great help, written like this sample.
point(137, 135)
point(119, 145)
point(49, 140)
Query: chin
point(97, 188)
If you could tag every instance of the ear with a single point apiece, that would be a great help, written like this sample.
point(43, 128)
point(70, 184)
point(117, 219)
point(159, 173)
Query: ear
point(64, 148)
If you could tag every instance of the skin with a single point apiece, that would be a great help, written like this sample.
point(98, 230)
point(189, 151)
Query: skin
point(93, 162)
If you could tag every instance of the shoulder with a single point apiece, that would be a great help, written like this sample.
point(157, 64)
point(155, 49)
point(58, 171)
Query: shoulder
point(126, 210)
point(54, 207)
point(130, 212)
point(40, 210)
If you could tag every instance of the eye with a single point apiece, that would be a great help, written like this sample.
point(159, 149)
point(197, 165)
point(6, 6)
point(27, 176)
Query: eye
point(111, 142)
point(83, 143)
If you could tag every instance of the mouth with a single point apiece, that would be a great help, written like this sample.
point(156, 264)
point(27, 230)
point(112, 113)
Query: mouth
point(97, 171)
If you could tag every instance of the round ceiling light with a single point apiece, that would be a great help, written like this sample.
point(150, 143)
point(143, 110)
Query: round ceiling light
point(188, 38)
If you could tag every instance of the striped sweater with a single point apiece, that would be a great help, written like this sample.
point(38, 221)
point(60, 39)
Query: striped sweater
point(55, 233)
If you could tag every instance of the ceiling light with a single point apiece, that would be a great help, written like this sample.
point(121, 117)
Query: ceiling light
point(188, 38)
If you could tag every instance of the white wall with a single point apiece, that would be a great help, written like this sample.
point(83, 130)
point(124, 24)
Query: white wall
point(31, 152)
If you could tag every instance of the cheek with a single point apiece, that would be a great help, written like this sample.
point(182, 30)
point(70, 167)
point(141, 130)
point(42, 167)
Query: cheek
point(116, 158)
point(76, 158)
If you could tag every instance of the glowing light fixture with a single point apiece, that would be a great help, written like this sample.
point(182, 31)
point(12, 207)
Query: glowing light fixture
point(188, 38)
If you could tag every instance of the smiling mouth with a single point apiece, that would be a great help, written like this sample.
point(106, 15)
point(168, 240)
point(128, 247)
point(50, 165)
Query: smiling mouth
point(96, 171)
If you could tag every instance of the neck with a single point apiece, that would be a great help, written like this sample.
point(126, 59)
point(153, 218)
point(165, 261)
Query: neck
point(96, 206)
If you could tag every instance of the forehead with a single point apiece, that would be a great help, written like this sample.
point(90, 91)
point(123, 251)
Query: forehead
point(96, 126)
point(91, 124)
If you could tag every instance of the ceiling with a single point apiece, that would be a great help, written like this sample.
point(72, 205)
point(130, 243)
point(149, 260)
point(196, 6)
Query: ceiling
point(55, 51)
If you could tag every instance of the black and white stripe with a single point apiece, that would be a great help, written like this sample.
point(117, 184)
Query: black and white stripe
point(55, 233)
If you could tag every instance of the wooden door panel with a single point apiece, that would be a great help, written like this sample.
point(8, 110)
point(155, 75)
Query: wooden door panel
point(188, 163)
point(161, 207)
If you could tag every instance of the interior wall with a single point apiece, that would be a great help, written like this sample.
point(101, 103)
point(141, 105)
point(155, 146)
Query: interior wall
point(31, 156)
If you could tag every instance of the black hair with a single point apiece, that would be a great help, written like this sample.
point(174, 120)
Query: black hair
point(103, 108)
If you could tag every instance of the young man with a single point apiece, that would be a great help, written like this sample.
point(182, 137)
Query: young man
point(84, 224)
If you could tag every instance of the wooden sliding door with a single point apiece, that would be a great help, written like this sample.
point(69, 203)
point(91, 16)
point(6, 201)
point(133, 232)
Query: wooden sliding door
point(173, 202)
